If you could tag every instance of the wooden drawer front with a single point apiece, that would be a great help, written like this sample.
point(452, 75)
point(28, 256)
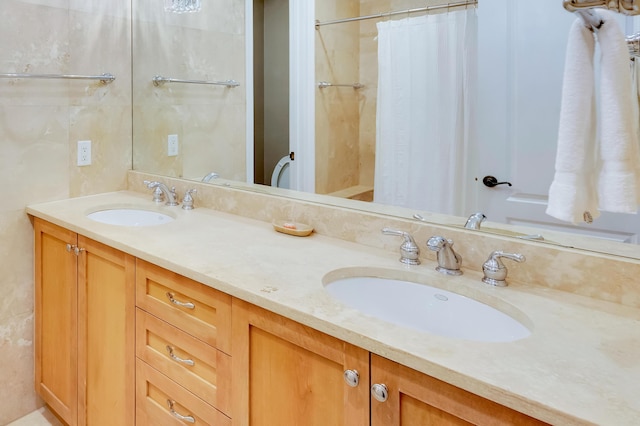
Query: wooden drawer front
point(201, 311)
point(209, 376)
point(154, 393)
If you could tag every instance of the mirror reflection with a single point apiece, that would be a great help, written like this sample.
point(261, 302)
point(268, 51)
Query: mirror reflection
point(493, 112)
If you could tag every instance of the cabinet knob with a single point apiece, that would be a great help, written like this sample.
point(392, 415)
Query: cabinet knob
point(72, 248)
point(380, 392)
point(352, 378)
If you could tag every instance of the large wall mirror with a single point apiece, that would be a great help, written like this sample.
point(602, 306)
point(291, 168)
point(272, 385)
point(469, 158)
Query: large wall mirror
point(228, 76)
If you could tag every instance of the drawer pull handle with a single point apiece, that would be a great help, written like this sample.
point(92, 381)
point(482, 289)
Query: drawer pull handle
point(178, 359)
point(174, 413)
point(175, 301)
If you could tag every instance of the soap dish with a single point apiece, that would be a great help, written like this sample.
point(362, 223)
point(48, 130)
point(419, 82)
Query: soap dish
point(292, 228)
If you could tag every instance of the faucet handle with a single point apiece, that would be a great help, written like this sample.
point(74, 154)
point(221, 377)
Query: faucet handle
point(187, 200)
point(158, 196)
point(449, 261)
point(409, 251)
point(495, 273)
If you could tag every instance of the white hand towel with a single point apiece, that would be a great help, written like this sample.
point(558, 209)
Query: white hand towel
point(618, 182)
point(573, 192)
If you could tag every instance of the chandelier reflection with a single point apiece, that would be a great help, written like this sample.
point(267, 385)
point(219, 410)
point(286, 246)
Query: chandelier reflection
point(182, 6)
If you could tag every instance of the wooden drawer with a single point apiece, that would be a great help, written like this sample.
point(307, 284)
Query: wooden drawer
point(201, 311)
point(154, 393)
point(202, 369)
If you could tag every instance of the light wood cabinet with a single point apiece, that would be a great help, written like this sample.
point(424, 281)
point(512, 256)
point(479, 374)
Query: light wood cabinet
point(84, 328)
point(414, 398)
point(56, 320)
point(183, 345)
point(287, 374)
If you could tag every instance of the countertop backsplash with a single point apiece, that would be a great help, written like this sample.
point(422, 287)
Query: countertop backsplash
point(604, 277)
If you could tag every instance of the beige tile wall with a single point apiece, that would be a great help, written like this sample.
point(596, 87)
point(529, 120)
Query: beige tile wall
point(209, 120)
point(40, 123)
point(337, 108)
point(346, 118)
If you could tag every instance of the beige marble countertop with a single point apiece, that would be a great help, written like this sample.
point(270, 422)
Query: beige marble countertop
point(581, 364)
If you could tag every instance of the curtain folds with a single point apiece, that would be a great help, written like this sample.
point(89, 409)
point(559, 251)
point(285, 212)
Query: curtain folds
point(426, 88)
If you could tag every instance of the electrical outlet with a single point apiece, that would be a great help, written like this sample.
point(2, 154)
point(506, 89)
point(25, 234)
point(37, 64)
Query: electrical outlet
point(172, 145)
point(84, 153)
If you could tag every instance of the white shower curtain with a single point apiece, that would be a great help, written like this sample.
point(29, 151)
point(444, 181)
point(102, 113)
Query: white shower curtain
point(426, 76)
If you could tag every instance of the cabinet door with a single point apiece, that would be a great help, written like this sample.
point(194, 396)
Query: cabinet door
point(106, 330)
point(288, 374)
point(56, 338)
point(414, 398)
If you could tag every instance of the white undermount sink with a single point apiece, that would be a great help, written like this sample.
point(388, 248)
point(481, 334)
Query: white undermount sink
point(130, 216)
point(425, 308)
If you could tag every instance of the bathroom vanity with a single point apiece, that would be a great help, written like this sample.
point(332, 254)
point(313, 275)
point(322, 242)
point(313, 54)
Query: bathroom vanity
point(215, 318)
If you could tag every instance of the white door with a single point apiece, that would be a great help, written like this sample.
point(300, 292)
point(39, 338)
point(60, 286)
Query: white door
point(521, 61)
point(301, 93)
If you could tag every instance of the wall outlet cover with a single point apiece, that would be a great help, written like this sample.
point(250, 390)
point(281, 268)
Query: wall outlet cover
point(84, 153)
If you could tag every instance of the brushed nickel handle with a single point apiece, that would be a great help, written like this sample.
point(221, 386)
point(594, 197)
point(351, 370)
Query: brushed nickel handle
point(173, 356)
point(174, 413)
point(70, 247)
point(352, 378)
point(380, 392)
point(175, 301)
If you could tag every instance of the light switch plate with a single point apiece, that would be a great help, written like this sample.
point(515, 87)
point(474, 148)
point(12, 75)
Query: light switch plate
point(172, 145)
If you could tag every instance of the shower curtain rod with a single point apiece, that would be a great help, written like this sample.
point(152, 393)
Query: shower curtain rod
point(398, 12)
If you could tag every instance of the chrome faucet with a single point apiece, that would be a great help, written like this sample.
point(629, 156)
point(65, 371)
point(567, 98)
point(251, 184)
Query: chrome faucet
point(495, 273)
point(449, 261)
point(212, 175)
point(161, 188)
point(475, 220)
point(409, 251)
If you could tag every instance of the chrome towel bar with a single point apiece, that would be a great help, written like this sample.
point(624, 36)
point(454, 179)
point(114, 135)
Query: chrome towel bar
point(158, 80)
point(325, 84)
point(627, 7)
point(104, 78)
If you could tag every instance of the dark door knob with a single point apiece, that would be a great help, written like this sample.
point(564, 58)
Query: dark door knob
point(491, 181)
